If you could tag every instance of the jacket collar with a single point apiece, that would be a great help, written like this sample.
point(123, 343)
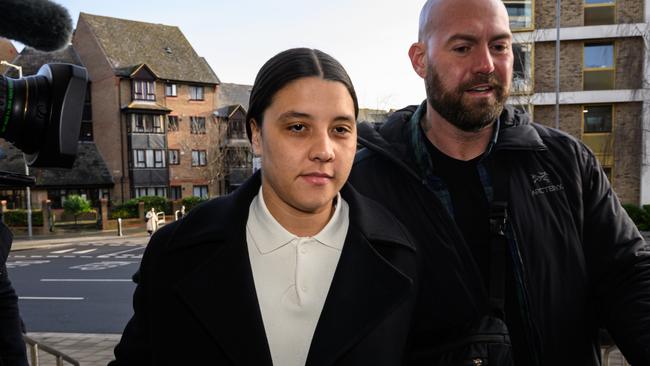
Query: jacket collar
point(221, 292)
point(396, 136)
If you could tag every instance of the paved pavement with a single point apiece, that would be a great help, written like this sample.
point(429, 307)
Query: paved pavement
point(97, 349)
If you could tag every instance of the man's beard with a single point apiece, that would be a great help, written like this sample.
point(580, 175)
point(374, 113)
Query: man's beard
point(449, 103)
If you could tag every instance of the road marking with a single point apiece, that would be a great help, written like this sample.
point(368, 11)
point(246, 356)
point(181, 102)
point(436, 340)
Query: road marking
point(118, 253)
point(100, 266)
point(86, 280)
point(19, 256)
point(63, 251)
point(69, 256)
point(16, 264)
point(49, 298)
point(52, 256)
point(85, 251)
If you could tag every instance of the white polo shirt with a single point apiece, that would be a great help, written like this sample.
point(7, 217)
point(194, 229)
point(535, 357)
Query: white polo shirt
point(292, 277)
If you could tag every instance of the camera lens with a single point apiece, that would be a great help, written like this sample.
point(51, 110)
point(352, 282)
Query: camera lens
point(41, 114)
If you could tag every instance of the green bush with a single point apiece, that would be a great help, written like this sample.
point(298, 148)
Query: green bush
point(123, 212)
point(19, 218)
point(640, 216)
point(160, 204)
point(190, 202)
point(76, 205)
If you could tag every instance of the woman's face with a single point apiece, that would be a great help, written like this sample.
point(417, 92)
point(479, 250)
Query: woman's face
point(307, 144)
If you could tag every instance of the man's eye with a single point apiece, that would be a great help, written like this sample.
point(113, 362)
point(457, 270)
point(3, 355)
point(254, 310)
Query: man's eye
point(341, 129)
point(298, 127)
point(500, 47)
point(461, 49)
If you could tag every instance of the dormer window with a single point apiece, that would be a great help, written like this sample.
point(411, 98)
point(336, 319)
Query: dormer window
point(144, 90)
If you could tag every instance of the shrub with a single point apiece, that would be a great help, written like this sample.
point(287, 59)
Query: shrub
point(160, 204)
point(190, 202)
point(640, 216)
point(19, 218)
point(75, 205)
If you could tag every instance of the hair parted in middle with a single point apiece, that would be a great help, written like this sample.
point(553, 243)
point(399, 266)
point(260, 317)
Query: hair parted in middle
point(287, 66)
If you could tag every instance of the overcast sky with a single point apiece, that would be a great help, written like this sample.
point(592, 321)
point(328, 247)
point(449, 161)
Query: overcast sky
point(369, 37)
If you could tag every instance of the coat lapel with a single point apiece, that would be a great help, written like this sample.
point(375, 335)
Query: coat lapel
point(366, 287)
point(221, 292)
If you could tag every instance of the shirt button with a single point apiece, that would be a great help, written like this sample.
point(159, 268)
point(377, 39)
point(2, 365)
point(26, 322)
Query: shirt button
point(303, 250)
point(304, 289)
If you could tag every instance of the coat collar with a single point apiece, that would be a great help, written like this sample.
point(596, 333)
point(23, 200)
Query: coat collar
point(365, 289)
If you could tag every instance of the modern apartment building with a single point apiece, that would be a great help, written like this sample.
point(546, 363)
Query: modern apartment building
point(153, 99)
point(604, 96)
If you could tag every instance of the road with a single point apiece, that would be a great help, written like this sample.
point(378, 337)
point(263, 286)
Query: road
point(85, 287)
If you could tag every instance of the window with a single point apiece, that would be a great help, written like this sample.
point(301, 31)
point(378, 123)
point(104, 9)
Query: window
point(150, 191)
point(196, 92)
point(598, 66)
point(197, 125)
point(174, 157)
point(146, 123)
point(175, 193)
point(597, 133)
point(236, 129)
point(597, 118)
point(520, 13)
point(144, 90)
point(199, 158)
point(200, 191)
point(522, 78)
point(172, 123)
point(170, 90)
point(598, 12)
point(159, 158)
point(139, 159)
point(147, 158)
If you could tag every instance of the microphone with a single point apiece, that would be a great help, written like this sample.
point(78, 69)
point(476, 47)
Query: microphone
point(40, 24)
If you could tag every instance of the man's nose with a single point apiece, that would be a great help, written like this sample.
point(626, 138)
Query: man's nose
point(321, 148)
point(483, 61)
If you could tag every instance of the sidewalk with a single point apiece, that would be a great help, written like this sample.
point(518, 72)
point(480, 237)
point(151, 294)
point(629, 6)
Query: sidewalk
point(88, 349)
point(22, 242)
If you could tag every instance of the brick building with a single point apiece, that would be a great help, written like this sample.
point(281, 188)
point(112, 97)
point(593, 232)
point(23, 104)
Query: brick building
point(604, 80)
point(153, 98)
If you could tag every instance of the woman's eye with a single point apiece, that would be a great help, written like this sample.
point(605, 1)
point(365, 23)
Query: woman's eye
point(297, 127)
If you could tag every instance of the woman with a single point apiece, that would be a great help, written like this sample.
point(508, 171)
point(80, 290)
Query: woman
point(293, 268)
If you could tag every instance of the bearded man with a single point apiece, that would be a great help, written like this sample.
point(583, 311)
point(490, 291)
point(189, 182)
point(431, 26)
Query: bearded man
point(464, 170)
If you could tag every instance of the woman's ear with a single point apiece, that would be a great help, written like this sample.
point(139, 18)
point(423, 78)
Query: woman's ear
point(256, 138)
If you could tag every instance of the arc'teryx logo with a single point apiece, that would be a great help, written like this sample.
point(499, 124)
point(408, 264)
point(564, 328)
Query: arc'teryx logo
point(542, 184)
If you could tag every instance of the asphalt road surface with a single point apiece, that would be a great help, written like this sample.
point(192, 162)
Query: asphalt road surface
point(85, 287)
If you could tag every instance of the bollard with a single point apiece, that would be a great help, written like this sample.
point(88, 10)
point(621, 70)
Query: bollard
point(119, 226)
point(176, 215)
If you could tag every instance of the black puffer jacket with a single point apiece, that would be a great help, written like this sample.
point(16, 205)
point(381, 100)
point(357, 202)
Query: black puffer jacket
point(581, 254)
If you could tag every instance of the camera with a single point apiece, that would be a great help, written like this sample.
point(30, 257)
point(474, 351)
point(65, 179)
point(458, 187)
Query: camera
point(41, 114)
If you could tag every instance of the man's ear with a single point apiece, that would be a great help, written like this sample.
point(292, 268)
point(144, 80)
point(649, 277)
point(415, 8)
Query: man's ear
point(256, 138)
point(418, 56)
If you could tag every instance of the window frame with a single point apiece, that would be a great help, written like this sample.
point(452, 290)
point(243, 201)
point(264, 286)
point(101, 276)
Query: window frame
point(198, 125)
point(612, 69)
point(144, 89)
point(531, 25)
point(193, 92)
point(171, 90)
point(177, 154)
point(199, 158)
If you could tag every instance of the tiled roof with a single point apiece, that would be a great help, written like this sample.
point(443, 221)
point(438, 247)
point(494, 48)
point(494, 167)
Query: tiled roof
point(31, 60)
point(128, 44)
point(88, 170)
point(232, 94)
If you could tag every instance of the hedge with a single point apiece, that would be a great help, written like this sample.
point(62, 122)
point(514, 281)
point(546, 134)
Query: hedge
point(190, 202)
point(19, 218)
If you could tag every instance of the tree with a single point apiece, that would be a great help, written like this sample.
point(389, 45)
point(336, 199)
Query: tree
point(76, 205)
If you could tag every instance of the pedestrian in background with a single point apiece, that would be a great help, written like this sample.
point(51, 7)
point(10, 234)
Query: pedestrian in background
point(151, 220)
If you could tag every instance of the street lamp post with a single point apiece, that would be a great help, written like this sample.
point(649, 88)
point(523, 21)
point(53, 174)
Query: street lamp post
point(28, 191)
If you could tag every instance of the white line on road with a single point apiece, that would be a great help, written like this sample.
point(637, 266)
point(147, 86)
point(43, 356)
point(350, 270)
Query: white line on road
point(118, 253)
point(86, 280)
point(85, 251)
point(49, 298)
point(63, 251)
